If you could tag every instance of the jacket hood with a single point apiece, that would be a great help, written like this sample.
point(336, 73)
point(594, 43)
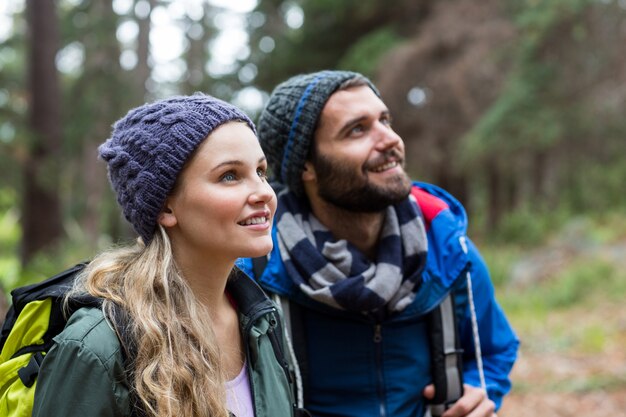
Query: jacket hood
point(447, 259)
point(435, 201)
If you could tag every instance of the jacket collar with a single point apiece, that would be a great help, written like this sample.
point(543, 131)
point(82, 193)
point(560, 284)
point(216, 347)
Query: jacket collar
point(247, 294)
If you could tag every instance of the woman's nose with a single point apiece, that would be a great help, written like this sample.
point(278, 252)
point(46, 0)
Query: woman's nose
point(262, 193)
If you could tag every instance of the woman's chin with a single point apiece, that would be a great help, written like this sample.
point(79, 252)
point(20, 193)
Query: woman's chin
point(260, 250)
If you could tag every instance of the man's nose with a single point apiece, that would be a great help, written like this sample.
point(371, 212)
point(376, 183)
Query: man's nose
point(387, 138)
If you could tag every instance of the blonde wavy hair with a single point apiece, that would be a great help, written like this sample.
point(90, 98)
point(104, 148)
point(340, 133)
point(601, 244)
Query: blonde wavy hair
point(176, 372)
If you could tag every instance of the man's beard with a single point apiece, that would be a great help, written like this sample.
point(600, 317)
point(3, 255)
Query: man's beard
point(339, 185)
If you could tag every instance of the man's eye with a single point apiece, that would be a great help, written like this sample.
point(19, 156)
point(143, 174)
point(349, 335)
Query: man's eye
point(357, 130)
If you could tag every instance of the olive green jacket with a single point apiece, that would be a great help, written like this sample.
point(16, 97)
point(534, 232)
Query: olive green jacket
point(83, 373)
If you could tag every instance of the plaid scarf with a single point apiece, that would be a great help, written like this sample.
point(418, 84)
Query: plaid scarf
point(336, 273)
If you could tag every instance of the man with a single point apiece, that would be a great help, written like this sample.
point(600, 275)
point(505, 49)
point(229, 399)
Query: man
point(364, 254)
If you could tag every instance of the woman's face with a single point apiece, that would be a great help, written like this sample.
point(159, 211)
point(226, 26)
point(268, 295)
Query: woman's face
point(223, 206)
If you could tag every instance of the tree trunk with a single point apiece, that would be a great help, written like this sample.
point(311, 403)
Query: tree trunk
point(511, 191)
point(142, 71)
point(494, 196)
point(41, 208)
point(101, 67)
point(198, 53)
point(538, 176)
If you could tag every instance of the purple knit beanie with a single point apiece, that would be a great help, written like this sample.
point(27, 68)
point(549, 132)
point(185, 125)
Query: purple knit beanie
point(149, 147)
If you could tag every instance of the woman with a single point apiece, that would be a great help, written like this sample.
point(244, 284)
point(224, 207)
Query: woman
point(190, 177)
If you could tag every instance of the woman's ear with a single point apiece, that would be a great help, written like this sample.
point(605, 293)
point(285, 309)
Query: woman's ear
point(308, 173)
point(167, 218)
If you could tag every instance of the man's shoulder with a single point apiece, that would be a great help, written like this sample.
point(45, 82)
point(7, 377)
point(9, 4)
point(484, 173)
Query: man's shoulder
point(435, 202)
point(430, 204)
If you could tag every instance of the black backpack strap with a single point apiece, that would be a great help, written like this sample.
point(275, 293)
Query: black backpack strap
point(446, 356)
point(298, 339)
point(7, 325)
point(296, 345)
point(28, 374)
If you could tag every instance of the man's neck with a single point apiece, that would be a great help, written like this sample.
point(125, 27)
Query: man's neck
point(362, 230)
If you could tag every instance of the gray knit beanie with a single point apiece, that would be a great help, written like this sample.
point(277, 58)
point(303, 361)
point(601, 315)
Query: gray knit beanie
point(288, 122)
point(149, 147)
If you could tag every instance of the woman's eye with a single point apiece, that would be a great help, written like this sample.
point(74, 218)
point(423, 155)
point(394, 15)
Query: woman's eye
point(229, 176)
point(262, 173)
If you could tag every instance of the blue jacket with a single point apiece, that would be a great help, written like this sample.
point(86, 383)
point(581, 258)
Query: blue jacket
point(358, 367)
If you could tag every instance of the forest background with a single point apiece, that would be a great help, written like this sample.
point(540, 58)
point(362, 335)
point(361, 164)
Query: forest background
point(515, 106)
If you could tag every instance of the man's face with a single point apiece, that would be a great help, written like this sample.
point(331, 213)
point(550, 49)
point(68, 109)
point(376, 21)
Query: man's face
point(358, 161)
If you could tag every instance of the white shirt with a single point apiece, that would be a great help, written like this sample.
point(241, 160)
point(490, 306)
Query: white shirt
point(239, 396)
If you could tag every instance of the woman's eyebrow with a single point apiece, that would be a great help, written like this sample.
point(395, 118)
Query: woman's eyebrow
point(227, 163)
point(233, 162)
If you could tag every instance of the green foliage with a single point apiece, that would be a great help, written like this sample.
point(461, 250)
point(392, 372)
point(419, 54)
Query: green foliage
point(350, 34)
point(14, 137)
point(592, 272)
point(10, 235)
point(609, 227)
point(584, 279)
point(75, 248)
point(575, 311)
point(594, 339)
point(45, 265)
point(524, 116)
point(545, 112)
point(527, 227)
point(364, 56)
point(587, 281)
point(582, 284)
point(606, 179)
point(598, 383)
point(519, 120)
point(499, 260)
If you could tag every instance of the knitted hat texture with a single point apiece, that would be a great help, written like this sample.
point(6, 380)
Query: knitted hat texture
point(288, 122)
point(149, 147)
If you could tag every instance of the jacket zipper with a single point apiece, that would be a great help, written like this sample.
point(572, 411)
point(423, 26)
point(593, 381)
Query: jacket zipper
point(252, 319)
point(378, 349)
point(276, 346)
